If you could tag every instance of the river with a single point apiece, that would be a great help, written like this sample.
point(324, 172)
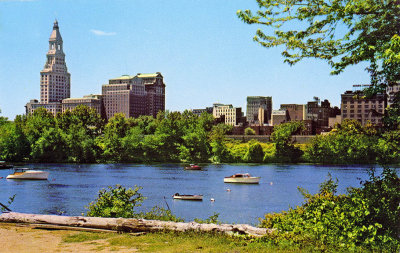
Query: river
point(71, 187)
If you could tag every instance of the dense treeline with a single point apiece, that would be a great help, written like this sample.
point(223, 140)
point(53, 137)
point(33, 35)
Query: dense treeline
point(82, 136)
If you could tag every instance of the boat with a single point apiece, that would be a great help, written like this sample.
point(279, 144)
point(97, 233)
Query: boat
point(24, 173)
point(4, 165)
point(240, 178)
point(188, 197)
point(193, 167)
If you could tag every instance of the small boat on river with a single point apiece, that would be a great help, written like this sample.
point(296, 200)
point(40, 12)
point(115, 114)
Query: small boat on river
point(188, 197)
point(27, 174)
point(193, 167)
point(5, 165)
point(240, 178)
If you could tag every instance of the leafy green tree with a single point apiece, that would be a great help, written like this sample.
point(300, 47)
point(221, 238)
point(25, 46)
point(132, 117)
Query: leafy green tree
point(147, 124)
point(50, 147)
point(14, 145)
point(116, 202)
point(388, 148)
point(169, 132)
point(249, 131)
point(195, 146)
point(349, 143)
point(84, 116)
point(37, 123)
point(255, 153)
point(340, 32)
point(111, 143)
point(219, 150)
point(132, 145)
point(282, 137)
point(80, 146)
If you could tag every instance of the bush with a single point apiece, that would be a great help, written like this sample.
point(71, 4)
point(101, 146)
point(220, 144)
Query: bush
point(282, 137)
point(116, 202)
point(249, 131)
point(350, 143)
point(365, 218)
point(213, 219)
point(255, 153)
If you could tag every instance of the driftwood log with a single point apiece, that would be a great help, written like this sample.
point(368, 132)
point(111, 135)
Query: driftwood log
point(130, 225)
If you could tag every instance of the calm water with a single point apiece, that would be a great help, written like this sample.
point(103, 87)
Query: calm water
point(70, 187)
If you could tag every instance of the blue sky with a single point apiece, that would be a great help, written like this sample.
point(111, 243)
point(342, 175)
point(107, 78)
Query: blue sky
point(205, 53)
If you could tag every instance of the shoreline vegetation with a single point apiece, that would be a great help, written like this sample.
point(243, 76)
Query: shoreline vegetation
point(81, 136)
point(364, 219)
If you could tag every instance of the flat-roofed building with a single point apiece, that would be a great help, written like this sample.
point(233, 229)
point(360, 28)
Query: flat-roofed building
point(295, 111)
point(198, 112)
point(142, 94)
point(254, 103)
point(355, 105)
point(91, 101)
point(233, 115)
point(279, 117)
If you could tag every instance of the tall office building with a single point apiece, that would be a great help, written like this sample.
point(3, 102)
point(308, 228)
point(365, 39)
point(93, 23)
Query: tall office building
point(142, 94)
point(54, 78)
point(254, 103)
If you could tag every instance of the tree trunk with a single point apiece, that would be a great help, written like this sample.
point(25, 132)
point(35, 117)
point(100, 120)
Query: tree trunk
point(130, 225)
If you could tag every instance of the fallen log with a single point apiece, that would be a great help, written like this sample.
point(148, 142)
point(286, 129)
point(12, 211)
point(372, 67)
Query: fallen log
point(130, 225)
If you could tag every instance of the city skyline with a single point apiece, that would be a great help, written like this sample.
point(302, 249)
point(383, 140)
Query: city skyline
point(206, 54)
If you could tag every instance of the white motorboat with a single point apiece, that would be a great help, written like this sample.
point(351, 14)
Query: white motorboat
point(23, 173)
point(188, 197)
point(240, 178)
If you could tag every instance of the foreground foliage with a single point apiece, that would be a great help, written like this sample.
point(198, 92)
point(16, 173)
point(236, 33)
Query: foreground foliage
point(364, 218)
point(118, 201)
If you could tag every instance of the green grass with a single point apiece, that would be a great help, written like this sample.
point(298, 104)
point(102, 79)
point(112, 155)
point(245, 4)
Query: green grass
point(176, 242)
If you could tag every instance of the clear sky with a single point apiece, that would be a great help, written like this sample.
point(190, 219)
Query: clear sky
point(205, 53)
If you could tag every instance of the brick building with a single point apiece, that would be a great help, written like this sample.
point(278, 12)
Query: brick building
point(142, 94)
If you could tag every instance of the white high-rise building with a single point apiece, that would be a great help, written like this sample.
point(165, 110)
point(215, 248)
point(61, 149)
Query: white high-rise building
point(54, 78)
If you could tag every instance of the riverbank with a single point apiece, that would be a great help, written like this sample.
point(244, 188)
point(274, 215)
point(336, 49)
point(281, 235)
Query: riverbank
point(17, 238)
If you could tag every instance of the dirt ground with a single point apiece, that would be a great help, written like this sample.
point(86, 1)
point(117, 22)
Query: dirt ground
point(15, 238)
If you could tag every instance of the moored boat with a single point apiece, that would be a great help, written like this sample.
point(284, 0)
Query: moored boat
point(188, 197)
point(240, 178)
point(23, 173)
point(193, 167)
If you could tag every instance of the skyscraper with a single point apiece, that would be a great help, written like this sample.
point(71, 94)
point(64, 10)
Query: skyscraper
point(54, 78)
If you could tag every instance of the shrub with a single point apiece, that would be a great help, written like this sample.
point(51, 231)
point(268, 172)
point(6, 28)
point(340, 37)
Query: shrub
point(249, 131)
point(213, 219)
point(116, 202)
point(254, 153)
point(366, 218)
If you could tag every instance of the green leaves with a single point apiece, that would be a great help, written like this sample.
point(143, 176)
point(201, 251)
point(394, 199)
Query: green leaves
point(116, 202)
point(366, 218)
point(340, 32)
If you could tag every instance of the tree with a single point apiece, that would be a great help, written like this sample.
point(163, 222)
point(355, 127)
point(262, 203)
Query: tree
point(116, 202)
point(341, 32)
point(249, 131)
point(254, 153)
point(282, 137)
